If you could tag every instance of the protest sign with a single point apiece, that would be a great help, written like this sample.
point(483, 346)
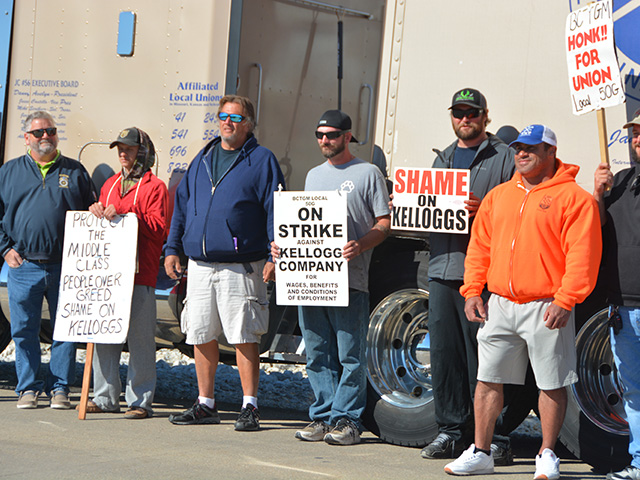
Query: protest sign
point(430, 200)
point(594, 75)
point(311, 228)
point(96, 281)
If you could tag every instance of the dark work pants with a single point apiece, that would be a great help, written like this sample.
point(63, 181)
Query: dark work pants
point(454, 359)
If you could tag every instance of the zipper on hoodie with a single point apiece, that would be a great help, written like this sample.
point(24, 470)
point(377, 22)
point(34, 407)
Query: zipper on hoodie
point(213, 189)
point(515, 235)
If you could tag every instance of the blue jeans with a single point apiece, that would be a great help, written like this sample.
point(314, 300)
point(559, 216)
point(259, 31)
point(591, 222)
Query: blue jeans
point(626, 352)
point(335, 341)
point(27, 286)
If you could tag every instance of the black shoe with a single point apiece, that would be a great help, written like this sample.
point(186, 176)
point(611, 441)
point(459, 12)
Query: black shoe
point(443, 446)
point(199, 414)
point(248, 420)
point(502, 456)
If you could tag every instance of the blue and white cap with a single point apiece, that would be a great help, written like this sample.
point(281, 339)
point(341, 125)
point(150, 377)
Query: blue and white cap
point(535, 134)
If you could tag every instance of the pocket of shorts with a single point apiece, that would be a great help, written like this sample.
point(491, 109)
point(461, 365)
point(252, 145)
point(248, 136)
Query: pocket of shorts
point(184, 316)
point(260, 313)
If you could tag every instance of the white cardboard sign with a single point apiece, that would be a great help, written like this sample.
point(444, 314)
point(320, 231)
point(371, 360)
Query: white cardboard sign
point(430, 200)
point(96, 281)
point(311, 229)
point(594, 74)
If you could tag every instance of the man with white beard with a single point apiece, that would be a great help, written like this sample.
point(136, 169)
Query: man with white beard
point(36, 191)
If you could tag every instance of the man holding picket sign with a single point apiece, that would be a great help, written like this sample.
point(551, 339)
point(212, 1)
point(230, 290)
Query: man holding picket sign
point(335, 336)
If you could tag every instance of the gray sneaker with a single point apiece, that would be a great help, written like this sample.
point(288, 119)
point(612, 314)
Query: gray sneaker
point(628, 473)
point(443, 446)
point(60, 401)
point(314, 432)
point(502, 456)
point(344, 433)
point(28, 399)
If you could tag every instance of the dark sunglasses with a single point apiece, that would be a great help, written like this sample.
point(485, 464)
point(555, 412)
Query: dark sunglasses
point(470, 113)
point(235, 118)
point(39, 132)
point(330, 135)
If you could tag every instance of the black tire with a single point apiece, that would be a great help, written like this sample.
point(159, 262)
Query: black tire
point(594, 429)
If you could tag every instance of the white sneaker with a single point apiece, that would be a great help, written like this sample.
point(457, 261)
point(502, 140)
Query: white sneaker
point(547, 466)
point(470, 463)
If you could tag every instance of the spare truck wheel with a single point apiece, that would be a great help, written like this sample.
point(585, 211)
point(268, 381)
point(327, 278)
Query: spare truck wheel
point(595, 428)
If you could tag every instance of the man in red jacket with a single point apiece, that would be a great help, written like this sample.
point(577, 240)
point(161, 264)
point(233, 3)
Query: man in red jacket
point(134, 189)
point(536, 244)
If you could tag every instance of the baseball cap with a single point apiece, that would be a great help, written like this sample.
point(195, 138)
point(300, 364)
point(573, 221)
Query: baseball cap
point(128, 136)
point(634, 121)
point(535, 134)
point(336, 119)
point(469, 96)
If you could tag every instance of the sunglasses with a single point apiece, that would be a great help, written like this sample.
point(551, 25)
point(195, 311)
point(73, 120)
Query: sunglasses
point(330, 135)
point(235, 118)
point(470, 113)
point(39, 132)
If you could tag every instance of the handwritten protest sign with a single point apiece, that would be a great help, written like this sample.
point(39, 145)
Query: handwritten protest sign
point(311, 229)
point(96, 281)
point(594, 75)
point(430, 200)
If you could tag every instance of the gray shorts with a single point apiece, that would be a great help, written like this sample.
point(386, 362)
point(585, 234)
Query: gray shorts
point(515, 333)
point(225, 297)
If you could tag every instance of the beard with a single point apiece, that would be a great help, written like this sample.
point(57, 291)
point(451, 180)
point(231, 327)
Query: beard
point(634, 153)
point(330, 151)
point(43, 148)
point(471, 133)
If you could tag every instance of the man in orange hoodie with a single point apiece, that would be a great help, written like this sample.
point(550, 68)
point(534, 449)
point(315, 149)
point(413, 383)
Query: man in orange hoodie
point(536, 244)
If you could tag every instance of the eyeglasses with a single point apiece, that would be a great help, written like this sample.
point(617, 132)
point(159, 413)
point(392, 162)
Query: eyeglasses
point(39, 132)
point(330, 135)
point(235, 118)
point(470, 113)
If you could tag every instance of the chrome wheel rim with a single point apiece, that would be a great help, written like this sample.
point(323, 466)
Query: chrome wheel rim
point(599, 389)
point(398, 349)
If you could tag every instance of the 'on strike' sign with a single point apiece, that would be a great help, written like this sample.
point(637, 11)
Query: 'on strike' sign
point(311, 228)
point(430, 200)
point(96, 281)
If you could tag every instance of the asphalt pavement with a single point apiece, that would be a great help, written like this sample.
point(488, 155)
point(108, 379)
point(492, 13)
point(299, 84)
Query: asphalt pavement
point(54, 444)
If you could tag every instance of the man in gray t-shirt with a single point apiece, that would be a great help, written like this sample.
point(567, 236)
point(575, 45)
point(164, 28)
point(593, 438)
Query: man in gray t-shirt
point(335, 336)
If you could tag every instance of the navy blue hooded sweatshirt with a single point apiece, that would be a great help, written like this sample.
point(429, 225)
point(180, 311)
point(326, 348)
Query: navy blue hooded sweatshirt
point(232, 221)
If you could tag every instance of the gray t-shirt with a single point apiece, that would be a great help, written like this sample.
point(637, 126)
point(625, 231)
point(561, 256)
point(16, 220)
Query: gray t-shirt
point(367, 198)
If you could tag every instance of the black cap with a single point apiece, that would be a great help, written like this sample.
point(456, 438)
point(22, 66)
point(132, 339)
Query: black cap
point(469, 96)
point(336, 119)
point(128, 136)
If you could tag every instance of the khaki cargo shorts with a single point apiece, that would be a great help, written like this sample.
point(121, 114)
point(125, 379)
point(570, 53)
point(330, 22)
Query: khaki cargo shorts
point(225, 297)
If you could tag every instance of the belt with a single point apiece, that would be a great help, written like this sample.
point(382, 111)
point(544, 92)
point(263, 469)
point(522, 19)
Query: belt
point(34, 260)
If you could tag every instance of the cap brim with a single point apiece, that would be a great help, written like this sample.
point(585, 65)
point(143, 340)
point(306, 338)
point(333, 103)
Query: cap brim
point(116, 142)
point(630, 124)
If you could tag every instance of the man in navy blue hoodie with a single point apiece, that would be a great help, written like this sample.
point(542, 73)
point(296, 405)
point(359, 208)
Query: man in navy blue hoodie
point(223, 221)
point(36, 190)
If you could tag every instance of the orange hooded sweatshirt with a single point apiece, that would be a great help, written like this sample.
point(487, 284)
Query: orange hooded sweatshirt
point(532, 244)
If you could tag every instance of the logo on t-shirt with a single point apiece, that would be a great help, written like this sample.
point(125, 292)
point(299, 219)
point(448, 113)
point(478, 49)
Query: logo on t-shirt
point(347, 186)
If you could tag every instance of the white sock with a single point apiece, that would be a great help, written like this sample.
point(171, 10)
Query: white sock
point(246, 400)
point(209, 402)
